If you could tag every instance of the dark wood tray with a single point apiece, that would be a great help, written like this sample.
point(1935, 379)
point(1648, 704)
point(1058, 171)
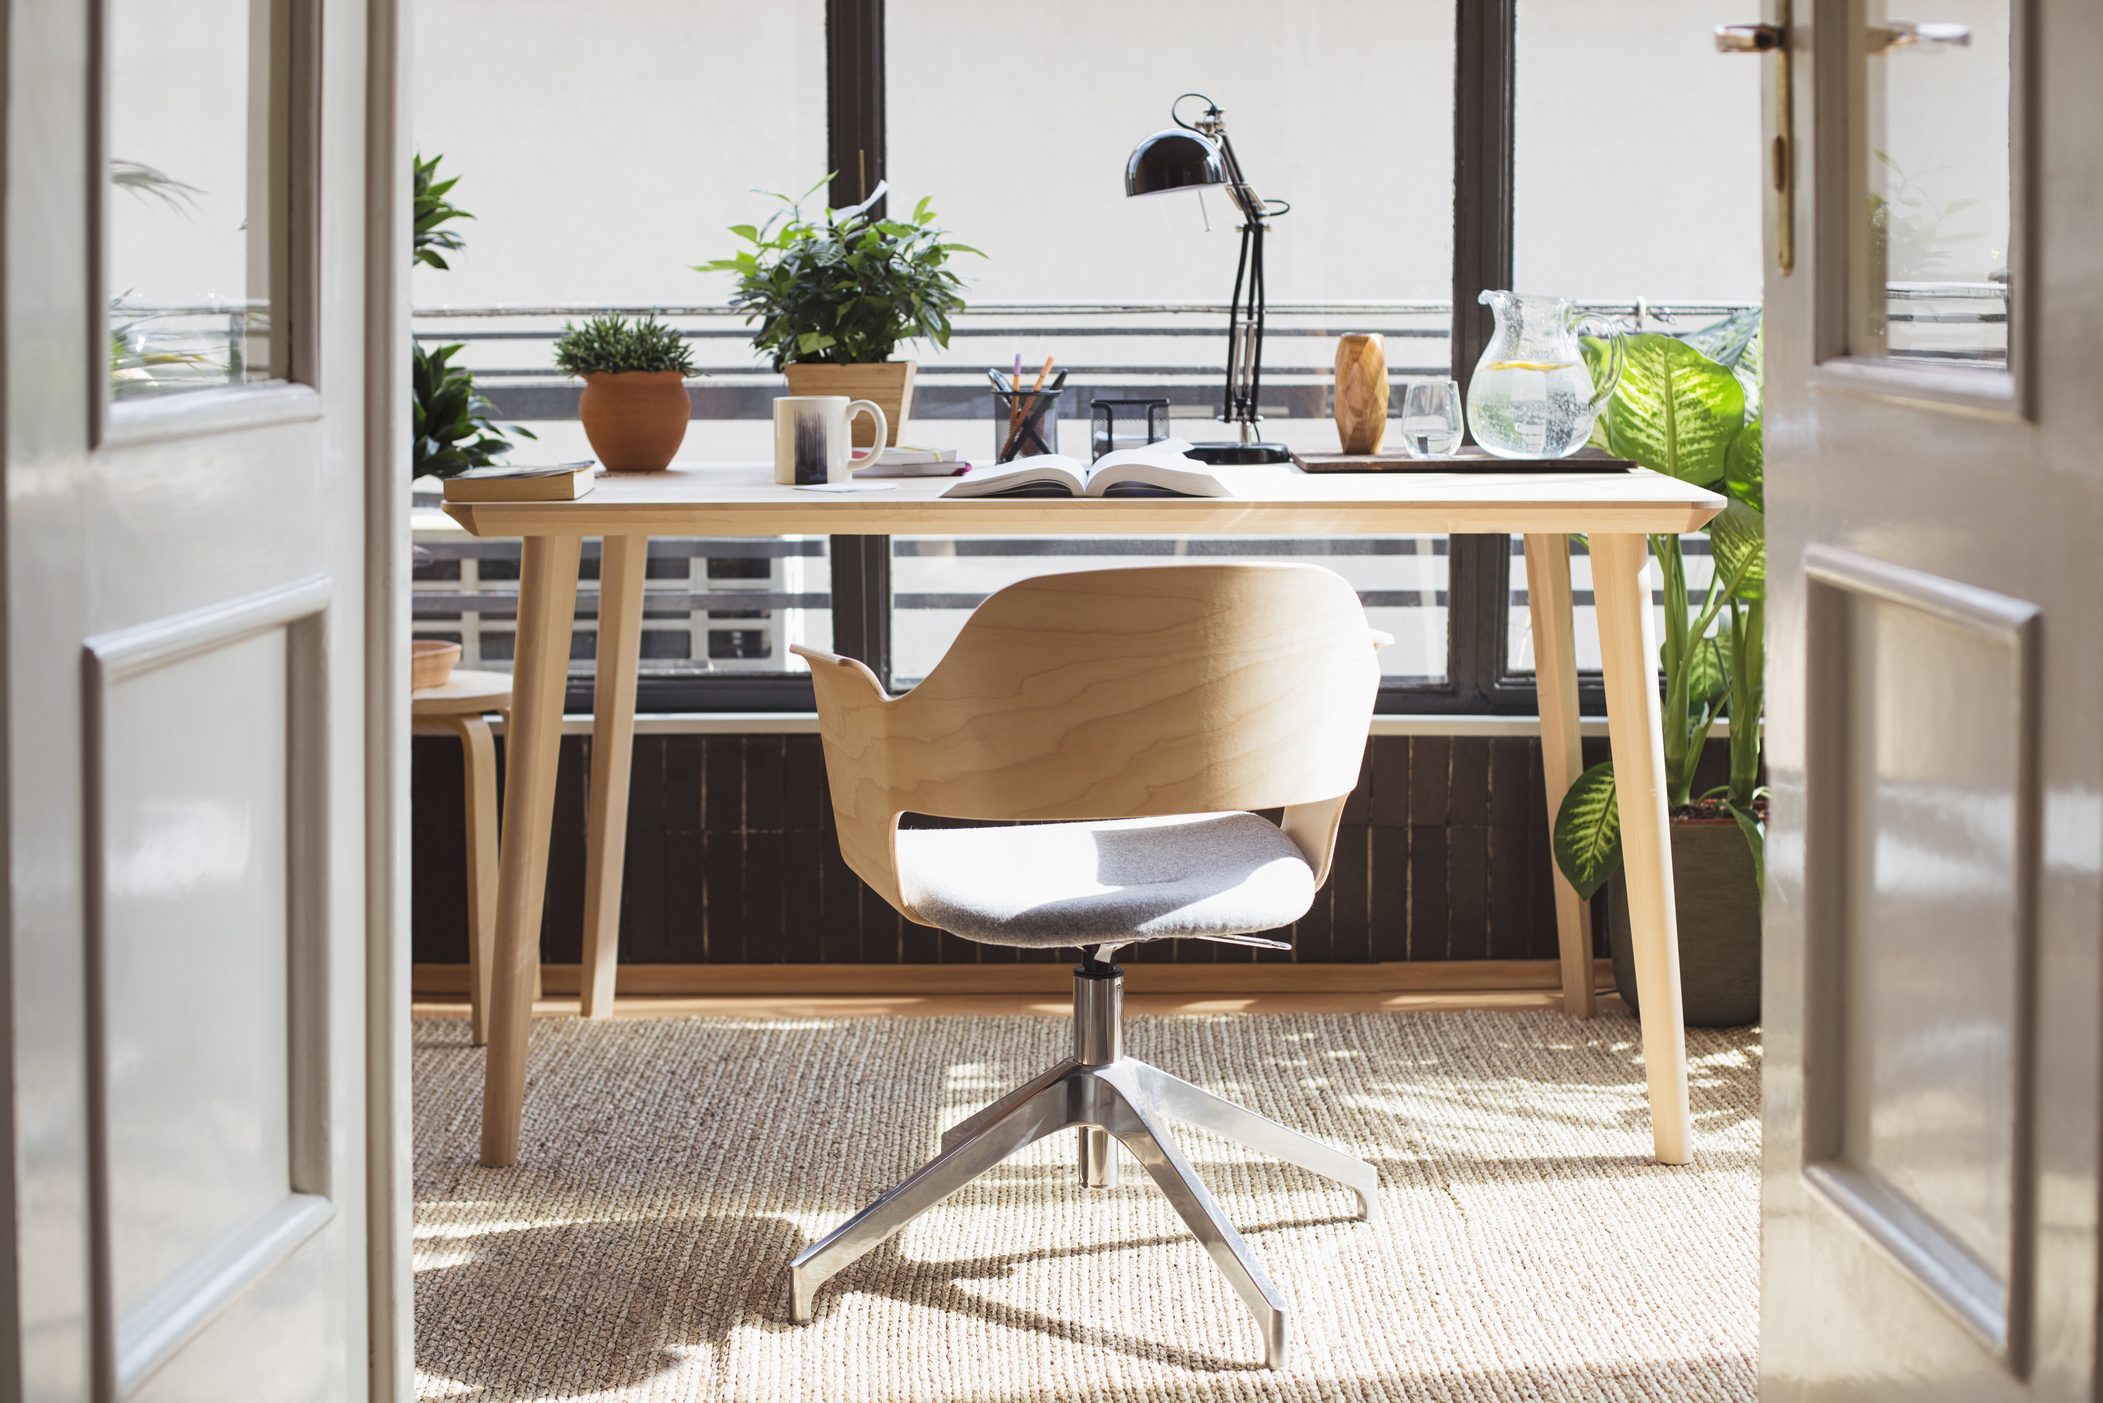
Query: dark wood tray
point(1469, 460)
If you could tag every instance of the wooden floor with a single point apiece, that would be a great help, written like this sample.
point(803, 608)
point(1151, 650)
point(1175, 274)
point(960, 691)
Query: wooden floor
point(938, 1005)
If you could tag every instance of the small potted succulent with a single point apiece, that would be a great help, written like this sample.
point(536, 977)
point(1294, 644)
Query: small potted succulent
point(835, 296)
point(635, 405)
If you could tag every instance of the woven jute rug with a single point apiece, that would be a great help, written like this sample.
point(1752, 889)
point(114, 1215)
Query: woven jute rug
point(671, 1167)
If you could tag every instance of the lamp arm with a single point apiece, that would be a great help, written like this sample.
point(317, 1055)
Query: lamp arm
point(1230, 395)
point(1252, 205)
point(1256, 305)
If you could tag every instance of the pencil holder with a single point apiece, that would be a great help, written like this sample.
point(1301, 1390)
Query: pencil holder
point(1125, 423)
point(1025, 422)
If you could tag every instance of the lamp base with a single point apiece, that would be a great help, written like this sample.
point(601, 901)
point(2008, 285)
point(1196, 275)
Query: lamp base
point(1228, 454)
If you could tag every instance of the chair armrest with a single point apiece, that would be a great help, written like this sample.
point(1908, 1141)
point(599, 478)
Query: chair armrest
point(1381, 640)
point(819, 658)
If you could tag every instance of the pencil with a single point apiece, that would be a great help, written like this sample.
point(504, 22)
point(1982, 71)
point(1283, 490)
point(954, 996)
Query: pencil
point(1014, 402)
point(1013, 424)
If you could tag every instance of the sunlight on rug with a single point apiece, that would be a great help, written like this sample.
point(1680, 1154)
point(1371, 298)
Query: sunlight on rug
point(671, 1167)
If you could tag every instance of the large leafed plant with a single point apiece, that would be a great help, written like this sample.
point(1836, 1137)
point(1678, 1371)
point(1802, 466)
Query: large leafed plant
point(1690, 408)
point(846, 288)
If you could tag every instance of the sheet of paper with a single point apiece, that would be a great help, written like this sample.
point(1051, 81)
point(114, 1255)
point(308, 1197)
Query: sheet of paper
point(846, 487)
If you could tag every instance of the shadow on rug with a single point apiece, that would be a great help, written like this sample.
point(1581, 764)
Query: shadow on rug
point(670, 1168)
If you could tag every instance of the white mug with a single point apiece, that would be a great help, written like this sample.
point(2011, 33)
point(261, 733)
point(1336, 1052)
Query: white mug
point(812, 440)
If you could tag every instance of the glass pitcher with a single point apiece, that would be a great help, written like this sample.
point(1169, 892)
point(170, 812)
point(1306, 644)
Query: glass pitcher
point(1533, 395)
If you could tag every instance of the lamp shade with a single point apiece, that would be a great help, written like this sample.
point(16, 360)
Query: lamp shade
point(1174, 159)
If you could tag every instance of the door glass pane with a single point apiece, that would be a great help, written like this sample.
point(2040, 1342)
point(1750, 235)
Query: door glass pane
point(1934, 156)
point(1345, 111)
point(192, 209)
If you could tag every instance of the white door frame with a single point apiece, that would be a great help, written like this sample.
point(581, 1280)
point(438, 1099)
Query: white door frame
point(391, 1194)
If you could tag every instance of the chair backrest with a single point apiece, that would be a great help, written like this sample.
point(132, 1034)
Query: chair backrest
point(1114, 694)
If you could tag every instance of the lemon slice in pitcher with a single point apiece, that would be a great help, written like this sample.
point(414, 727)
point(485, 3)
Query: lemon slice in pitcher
point(1543, 366)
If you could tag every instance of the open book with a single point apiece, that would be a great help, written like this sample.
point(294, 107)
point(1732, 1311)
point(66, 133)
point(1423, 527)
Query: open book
point(1157, 470)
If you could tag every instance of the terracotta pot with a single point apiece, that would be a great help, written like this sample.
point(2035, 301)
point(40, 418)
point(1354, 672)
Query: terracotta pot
point(1718, 899)
point(636, 419)
point(431, 662)
point(889, 383)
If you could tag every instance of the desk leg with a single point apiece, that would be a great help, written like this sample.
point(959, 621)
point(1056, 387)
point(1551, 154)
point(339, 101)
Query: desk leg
point(1562, 758)
point(622, 567)
point(479, 759)
point(547, 606)
point(1629, 648)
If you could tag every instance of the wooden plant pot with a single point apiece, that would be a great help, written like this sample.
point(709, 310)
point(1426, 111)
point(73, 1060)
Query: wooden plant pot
point(889, 383)
point(635, 419)
point(1718, 902)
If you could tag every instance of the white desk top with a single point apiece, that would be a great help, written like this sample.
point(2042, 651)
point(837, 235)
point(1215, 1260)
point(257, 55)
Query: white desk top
point(694, 499)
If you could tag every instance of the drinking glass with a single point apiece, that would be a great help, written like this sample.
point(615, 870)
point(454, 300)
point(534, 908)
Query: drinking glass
point(1431, 418)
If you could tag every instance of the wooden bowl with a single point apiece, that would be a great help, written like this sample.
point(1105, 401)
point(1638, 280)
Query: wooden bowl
point(431, 661)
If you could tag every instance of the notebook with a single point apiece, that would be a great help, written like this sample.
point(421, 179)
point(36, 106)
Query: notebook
point(1158, 470)
point(509, 482)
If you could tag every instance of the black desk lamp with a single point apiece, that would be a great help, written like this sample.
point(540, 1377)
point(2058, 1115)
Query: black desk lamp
point(1190, 156)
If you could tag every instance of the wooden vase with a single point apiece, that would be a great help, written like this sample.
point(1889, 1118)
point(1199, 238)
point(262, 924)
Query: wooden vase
point(1361, 391)
point(635, 419)
point(889, 383)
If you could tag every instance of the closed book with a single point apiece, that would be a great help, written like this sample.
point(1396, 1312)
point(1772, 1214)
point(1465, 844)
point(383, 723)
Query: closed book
point(914, 462)
point(557, 482)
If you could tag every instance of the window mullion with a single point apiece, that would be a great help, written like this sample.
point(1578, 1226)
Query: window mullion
point(855, 150)
point(1483, 72)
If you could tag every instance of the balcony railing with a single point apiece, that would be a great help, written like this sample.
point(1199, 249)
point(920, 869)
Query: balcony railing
point(733, 606)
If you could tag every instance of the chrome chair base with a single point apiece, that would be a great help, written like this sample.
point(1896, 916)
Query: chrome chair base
point(1103, 1093)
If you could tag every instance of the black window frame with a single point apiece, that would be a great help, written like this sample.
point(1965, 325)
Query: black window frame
point(1478, 677)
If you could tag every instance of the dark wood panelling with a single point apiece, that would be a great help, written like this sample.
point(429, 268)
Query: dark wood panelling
point(732, 858)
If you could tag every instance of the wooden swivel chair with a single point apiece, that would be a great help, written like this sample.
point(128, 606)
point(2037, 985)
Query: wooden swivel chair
point(1128, 720)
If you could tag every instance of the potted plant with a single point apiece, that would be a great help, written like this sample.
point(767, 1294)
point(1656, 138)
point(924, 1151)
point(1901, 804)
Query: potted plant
point(1691, 409)
point(635, 405)
point(834, 296)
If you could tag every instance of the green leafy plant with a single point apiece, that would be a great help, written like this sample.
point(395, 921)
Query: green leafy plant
point(453, 430)
point(844, 289)
point(432, 212)
point(609, 345)
point(1691, 409)
point(450, 423)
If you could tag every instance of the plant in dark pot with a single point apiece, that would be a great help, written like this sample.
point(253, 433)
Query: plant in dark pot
point(835, 296)
point(1691, 409)
point(635, 406)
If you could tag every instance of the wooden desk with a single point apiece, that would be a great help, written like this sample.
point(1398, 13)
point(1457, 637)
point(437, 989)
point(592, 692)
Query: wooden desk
point(1615, 511)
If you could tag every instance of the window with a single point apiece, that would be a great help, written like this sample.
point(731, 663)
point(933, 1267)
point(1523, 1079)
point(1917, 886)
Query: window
point(1346, 112)
point(1622, 203)
point(603, 152)
point(1350, 110)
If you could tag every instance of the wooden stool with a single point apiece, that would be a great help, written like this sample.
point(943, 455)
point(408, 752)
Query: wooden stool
point(460, 707)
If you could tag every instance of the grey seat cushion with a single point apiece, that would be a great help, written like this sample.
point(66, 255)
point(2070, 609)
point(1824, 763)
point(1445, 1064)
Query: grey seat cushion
point(1106, 882)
